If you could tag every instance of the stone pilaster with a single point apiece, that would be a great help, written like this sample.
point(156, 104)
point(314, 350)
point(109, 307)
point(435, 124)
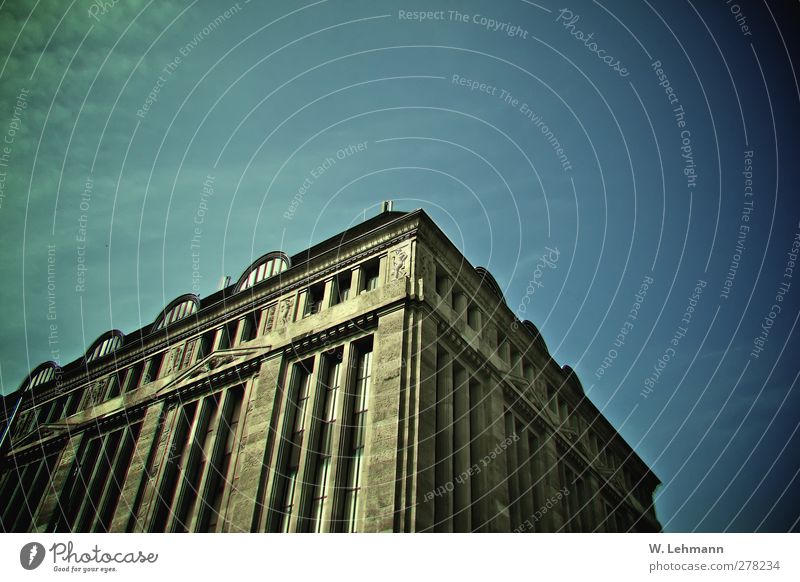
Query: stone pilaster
point(380, 451)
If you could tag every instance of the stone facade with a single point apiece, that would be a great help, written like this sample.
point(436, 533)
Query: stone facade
point(376, 382)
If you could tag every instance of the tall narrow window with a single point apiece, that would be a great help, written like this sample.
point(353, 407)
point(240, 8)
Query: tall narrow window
point(197, 463)
point(314, 296)
point(153, 368)
point(90, 498)
point(73, 402)
point(319, 453)
point(355, 427)
point(22, 491)
point(228, 336)
point(293, 432)
point(220, 466)
point(206, 344)
point(370, 273)
point(341, 287)
point(134, 376)
point(174, 459)
point(250, 326)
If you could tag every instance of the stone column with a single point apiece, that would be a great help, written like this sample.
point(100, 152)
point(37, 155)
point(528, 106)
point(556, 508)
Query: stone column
point(462, 465)
point(136, 479)
point(444, 444)
point(526, 484)
point(422, 421)
point(273, 389)
point(478, 451)
point(554, 519)
point(513, 468)
point(52, 494)
point(496, 469)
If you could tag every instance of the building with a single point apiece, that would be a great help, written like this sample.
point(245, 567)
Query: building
point(374, 382)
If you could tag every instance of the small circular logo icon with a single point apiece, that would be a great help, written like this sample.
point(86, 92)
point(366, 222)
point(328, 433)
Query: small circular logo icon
point(31, 555)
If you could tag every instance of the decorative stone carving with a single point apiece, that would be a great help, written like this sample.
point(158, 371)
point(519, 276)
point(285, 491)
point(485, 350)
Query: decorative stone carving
point(285, 310)
point(269, 318)
point(188, 353)
point(173, 359)
point(399, 263)
point(97, 392)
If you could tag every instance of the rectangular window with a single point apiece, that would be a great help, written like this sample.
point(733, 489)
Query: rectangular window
point(197, 463)
point(442, 282)
point(153, 368)
point(227, 335)
point(341, 288)
point(22, 492)
point(250, 327)
point(354, 429)
point(291, 446)
point(319, 453)
point(370, 272)
point(314, 295)
point(134, 376)
point(206, 344)
point(221, 467)
point(114, 386)
point(474, 317)
point(578, 502)
point(90, 497)
point(73, 402)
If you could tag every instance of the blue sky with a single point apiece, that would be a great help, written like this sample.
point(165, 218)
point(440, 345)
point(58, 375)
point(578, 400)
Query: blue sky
point(616, 132)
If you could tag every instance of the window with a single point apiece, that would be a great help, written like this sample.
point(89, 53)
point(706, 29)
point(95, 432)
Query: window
point(206, 344)
point(516, 361)
point(314, 295)
point(474, 317)
point(370, 272)
point(177, 312)
point(355, 428)
point(114, 386)
point(502, 347)
point(578, 502)
point(228, 335)
point(73, 402)
point(291, 445)
point(134, 376)
point(551, 398)
point(22, 491)
point(341, 287)
point(271, 265)
point(442, 282)
point(41, 377)
point(153, 368)
point(198, 462)
point(221, 466)
point(91, 493)
point(249, 327)
point(528, 372)
point(104, 347)
point(319, 452)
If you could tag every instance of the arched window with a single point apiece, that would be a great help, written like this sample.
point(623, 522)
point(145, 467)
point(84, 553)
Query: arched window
point(42, 374)
point(267, 266)
point(104, 345)
point(183, 306)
